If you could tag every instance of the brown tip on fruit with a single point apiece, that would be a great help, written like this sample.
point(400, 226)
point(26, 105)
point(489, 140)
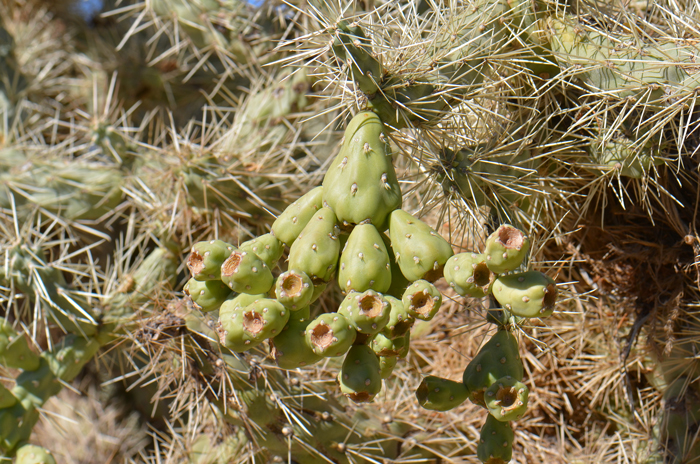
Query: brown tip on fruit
point(371, 306)
point(550, 296)
point(360, 397)
point(510, 237)
point(292, 285)
point(195, 263)
point(482, 275)
point(322, 336)
point(253, 322)
point(422, 302)
point(506, 397)
point(230, 266)
point(422, 392)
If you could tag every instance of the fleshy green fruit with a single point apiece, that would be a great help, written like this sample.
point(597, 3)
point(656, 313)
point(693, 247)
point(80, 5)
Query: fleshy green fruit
point(266, 247)
point(420, 251)
point(506, 399)
point(330, 334)
point(294, 289)
point(243, 328)
point(361, 185)
point(437, 394)
point(292, 221)
point(506, 249)
point(244, 272)
point(317, 248)
point(290, 348)
point(14, 349)
point(400, 321)
point(468, 274)
point(498, 358)
point(360, 376)
point(31, 454)
point(495, 442)
point(206, 259)
point(422, 300)
point(364, 263)
point(368, 312)
point(207, 295)
point(528, 294)
point(385, 346)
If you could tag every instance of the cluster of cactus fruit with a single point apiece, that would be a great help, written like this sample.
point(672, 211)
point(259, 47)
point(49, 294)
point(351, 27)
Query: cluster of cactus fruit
point(493, 379)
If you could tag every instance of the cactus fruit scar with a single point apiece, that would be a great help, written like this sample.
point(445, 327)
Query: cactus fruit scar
point(330, 335)
point(506, 399)
point(368, 312)
point(294, 289)
point(422, 300)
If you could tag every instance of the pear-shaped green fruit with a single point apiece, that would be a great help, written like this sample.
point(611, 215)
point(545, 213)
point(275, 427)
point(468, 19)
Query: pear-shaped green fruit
point(290, 348)
point(399, 282)
point(360, 376)
point(206, 258)
point(243, 328)
point(207, 295)
point(438, 394)
point(294, 289)
point(506, 399)
point(384, 346)
point(420, 251)
point(495, 442)
point(244, 272)
point(506, 249)
point(400, 321)
point(498, 358)
point(422, 300)
point(364, 263)
point(361, 185)
point(468, 274)
point(292, 221)
point(32, 454)
point(317, 248)
point(266, 247)
point(528, 294)
point(368, 312)
point(330, 335)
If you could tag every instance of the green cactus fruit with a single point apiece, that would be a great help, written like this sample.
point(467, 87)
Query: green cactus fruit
point(406, 345)
point(495, 442)
point(207, 295)
point(352, 46)
point(468, 274)
point(67, 359)
point(527, 294)
point(498, 358)
point(7, 399)
point(364, 263)
point(242, 328)
point(290, 348)
point(361, 185)
point(386, 366)
point(422, 300)
point(32, 454)
point(241, 301)
point(14, 349)
point(385, 346)
point(368, 312)
point(399, 282)
point(206, 259)
point(438, 394)
point(330, 334)
point(244, 272)
point(317, 248)
point(420, 251)
point(266, 247)
point(506, 249)
point(506, 399)
point(400, 321)
point(360, 376)
point(292, 221)
point(294, 289)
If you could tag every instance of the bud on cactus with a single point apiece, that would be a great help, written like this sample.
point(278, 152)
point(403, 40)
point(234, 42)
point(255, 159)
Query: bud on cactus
point(294, 289)
point(330, 334)
point(360, 376)
point(495, 442)
point(364, 263)
point(368, 312)
point(468, 274)
point(506, 249)
point(422, 300)
point(506, 399)
point(352, 47)
point(400, 321)
point(528, 294)
point(31, 454)
point(498, 358)
point(244, 272)
point(317, 248)
point(14, 349)
point(439, 394)
point(266, 247)
point(206, 259)
point(386, 366)
point(361, 184)
point(207, 295)
point(292, 221)
point(420, 251)
point(290, 348)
